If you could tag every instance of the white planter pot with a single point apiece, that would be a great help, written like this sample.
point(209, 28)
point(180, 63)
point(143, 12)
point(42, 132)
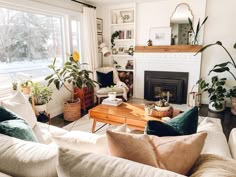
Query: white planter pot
point(40, 108)
point(212, 108)
point(112, 95)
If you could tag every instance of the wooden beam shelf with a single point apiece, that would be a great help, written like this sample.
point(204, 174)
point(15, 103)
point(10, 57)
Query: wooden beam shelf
point(171, 48)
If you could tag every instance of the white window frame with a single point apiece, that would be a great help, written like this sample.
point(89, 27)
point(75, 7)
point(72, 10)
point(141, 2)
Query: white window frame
point(44, 9)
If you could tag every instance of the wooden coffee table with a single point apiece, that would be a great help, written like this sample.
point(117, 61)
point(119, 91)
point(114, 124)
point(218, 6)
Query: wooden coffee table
point(131, 114)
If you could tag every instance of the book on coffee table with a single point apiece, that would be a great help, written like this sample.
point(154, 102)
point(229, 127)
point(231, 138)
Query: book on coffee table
point(115, 102)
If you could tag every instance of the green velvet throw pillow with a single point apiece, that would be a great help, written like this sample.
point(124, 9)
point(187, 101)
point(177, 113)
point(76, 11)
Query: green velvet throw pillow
point(183, 124)
point(14, 126)
point(17, 128)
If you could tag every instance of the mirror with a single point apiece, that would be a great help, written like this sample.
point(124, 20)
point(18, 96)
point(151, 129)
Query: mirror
point(180, 28)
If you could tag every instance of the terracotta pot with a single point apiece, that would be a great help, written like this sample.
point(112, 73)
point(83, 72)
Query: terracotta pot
point(233, 105)
point(72, 110)
point(212, 108)
point(25, 90)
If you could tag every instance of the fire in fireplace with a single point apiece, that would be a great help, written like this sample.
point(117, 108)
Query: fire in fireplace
point(171, 86)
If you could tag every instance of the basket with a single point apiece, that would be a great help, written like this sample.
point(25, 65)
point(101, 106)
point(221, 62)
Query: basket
point(72, 111)
point(160, 114)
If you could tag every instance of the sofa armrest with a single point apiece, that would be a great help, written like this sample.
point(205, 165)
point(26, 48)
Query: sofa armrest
point(232, 143)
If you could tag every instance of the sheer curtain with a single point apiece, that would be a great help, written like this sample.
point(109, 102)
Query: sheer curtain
point(90, 38)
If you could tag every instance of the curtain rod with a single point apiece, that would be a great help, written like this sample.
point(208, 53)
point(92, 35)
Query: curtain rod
point(88, 5)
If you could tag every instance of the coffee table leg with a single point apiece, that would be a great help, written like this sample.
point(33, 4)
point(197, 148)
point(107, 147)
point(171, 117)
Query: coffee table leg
point(94, 125)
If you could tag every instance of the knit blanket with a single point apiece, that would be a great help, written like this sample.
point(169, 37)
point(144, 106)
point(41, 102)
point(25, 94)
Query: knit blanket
point(209, 165)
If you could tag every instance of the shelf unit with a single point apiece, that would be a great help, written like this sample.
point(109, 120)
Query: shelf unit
point(123, 21)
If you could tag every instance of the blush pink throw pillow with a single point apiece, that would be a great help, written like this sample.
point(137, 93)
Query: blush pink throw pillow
point(177, 154)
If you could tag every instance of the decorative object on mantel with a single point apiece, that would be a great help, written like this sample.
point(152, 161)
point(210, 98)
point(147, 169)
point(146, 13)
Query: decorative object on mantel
point(160, 35)
point(73, 73)
point(195, 33)
point(224, 67)
point(216, 91)
point(149, 42)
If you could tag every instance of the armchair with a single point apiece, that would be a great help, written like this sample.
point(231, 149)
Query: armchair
point(108, 76)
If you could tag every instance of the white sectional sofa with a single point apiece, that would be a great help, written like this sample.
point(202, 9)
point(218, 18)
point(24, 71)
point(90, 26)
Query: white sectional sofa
point(30, 159)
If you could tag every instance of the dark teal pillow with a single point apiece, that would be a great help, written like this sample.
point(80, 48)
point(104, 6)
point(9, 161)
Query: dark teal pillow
point(7, 115)
point(183, 124)
point(17, 128)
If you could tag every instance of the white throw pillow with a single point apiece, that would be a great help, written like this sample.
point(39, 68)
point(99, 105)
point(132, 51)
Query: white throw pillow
point(74, 163)
point(215, 142)
point(27, 159)
point(84, 141)
point(232, 143)
point(21, 106)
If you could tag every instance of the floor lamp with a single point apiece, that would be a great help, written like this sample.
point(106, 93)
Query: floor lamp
point(106, 52)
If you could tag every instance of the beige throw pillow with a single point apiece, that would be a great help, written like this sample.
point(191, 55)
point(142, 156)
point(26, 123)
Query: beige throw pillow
point(177, 154)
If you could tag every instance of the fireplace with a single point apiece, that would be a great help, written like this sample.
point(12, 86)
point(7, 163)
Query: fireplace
point(162, 85)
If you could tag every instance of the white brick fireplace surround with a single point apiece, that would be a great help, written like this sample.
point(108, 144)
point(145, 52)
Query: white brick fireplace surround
point(172, 62)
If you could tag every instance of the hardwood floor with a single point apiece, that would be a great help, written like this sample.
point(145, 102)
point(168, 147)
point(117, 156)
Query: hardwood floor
point(228, 120)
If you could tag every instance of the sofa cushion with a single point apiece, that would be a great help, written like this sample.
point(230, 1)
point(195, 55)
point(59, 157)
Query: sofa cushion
point(17, 128)
point(215, 142)
point(84, 141)
point(232, 143)
point(105, 79)
point(23, 158)
point(209, 165)
point(176, 153)
point(183, 124)
point(44, 132)
point(72, 163)
point(21, 106)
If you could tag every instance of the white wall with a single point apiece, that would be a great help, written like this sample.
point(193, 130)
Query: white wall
point(220, 26)
point(158, 13)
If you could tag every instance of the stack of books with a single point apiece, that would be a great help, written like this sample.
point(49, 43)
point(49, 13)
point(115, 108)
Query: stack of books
point(115, 102)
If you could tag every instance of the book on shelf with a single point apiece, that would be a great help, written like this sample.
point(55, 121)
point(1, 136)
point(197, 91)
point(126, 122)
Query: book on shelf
point(115, 102)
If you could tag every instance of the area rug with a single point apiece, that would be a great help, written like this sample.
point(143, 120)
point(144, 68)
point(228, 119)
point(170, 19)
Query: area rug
point(85, 124)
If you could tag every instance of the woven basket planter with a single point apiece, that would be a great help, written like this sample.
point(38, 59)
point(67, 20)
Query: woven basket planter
point(72, 111)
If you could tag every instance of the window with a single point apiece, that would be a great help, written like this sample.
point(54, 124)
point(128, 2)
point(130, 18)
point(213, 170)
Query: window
point(28, 44)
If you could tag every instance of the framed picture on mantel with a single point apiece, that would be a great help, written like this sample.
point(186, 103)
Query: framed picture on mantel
point(160, 35)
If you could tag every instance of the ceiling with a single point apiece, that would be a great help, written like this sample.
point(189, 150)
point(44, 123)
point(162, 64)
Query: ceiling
point(107, 2)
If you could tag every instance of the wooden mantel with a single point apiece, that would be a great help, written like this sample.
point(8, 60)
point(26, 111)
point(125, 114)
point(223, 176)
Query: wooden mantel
point(168, 49)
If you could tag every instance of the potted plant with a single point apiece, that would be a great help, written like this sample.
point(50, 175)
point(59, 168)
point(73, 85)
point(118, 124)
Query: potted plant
point(228, 66)
point(232, 94)
point(216, 91)
point(71, 73)
point(112, 93)
point(41, 95)
point(195, 33)
point(25, 86)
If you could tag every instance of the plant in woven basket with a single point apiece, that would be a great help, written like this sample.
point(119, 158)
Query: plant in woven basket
point(71, 73)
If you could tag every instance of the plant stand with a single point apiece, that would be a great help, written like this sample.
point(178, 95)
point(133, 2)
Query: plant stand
point(86, 97)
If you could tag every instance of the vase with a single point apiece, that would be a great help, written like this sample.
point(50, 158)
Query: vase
point(40, 108)
point(114, 19)
point(112, 95)
point(233, 105)
point(212, 107)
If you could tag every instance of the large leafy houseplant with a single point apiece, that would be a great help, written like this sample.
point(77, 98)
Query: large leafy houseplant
point(229, 67)
point(216, 91)
point(71, 73)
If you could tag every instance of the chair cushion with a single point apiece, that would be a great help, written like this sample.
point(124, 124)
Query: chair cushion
point(75, 163)
point(183, 124)
point(105, 91)
point(176, 153)
point(105, 79)
point(17, 128)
